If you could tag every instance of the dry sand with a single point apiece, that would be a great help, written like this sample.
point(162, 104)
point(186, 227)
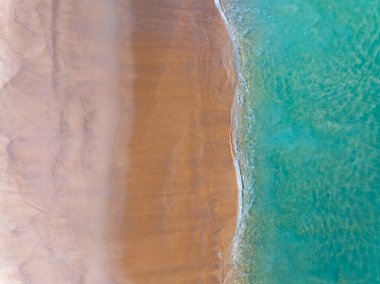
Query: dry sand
point(175, 185)
point(115, 159)
point(59, 109)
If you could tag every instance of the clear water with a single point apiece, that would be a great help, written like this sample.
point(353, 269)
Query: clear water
point(308, 140)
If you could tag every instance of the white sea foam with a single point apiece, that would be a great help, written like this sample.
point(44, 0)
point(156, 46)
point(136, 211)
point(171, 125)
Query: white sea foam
point(240, 90)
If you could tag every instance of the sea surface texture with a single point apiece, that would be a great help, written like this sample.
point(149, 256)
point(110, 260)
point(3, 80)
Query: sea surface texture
point(307, 140)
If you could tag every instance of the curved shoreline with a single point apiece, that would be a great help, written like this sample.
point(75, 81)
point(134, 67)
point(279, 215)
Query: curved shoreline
point(234, 110)
point(235, 118)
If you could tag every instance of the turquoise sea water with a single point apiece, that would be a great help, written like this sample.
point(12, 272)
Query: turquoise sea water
point(308, 140)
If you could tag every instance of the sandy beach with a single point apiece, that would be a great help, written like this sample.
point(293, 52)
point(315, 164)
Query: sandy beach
point(59, 112)
point(115, 155)
point(176, 194)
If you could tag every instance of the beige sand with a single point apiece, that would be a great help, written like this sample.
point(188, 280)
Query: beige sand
point(175, 198)
point(115, 162)
point(59, 107)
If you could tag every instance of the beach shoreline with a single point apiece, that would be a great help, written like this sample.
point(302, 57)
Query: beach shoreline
point(239, 85)
point(241, 89)
point(173, 212)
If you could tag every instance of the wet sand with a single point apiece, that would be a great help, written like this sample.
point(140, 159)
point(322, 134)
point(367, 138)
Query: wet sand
point(115, 158)
point(176, 193)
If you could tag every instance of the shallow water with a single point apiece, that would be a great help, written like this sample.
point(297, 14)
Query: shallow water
point(308, 139)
